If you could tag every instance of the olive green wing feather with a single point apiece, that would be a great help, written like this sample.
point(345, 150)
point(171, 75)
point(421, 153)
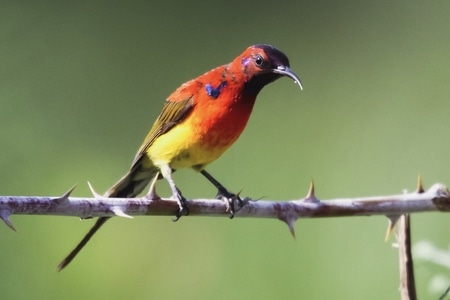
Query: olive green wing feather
point(139, 176)
point(172, 114)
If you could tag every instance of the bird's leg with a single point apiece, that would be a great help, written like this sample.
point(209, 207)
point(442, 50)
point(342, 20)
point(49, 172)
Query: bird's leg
point(166, 171)
point(223, 193)
point(221, 190)
point(152, 190)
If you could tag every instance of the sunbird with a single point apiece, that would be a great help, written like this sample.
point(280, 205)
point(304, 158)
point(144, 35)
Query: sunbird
point(198, 122)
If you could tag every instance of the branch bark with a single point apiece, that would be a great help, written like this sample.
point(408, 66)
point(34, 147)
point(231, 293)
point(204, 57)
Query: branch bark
point(407, 281)
point(437, 198)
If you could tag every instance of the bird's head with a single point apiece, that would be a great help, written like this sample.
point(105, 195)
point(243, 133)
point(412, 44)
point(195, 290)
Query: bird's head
point(263, 64)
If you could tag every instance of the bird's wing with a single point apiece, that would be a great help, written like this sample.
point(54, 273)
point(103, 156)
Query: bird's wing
point(172, 113)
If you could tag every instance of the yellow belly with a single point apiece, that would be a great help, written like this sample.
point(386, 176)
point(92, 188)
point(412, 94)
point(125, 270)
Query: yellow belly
point(182, 147)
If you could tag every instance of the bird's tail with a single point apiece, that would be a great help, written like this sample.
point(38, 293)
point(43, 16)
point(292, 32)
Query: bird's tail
point(82, 243)
point(128, 186)
point(134, 182)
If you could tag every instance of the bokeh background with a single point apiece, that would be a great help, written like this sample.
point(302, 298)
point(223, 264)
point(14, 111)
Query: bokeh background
point(81, 82)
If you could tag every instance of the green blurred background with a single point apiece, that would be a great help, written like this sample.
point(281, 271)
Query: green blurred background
point(81, 82)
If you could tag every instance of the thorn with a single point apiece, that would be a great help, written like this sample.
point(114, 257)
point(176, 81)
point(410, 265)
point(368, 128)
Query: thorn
point(420, 189)
point(292, 230)
point(311, 197)
point(152, 195)
point(290, 221)
point(4, 215)
point(392, 222)
point(94, 193)
point(291, 224)
point(118, 211)
point(64, 198)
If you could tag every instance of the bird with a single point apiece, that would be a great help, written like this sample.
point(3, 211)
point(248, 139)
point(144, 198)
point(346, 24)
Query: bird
point(199, 121)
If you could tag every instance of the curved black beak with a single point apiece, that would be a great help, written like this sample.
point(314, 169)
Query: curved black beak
point(286, 71)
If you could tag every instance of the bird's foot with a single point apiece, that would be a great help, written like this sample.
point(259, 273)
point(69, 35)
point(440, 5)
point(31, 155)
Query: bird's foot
point(230, 200)
point(183, 206)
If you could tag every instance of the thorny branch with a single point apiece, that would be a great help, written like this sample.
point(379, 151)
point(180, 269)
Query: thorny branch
point(437, 198)
point(394, 207)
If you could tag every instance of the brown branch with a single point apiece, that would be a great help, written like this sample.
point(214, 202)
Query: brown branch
point(407, 283)
point(437, 198)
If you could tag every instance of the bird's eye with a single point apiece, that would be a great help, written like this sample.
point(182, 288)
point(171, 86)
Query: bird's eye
point(259, 60)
